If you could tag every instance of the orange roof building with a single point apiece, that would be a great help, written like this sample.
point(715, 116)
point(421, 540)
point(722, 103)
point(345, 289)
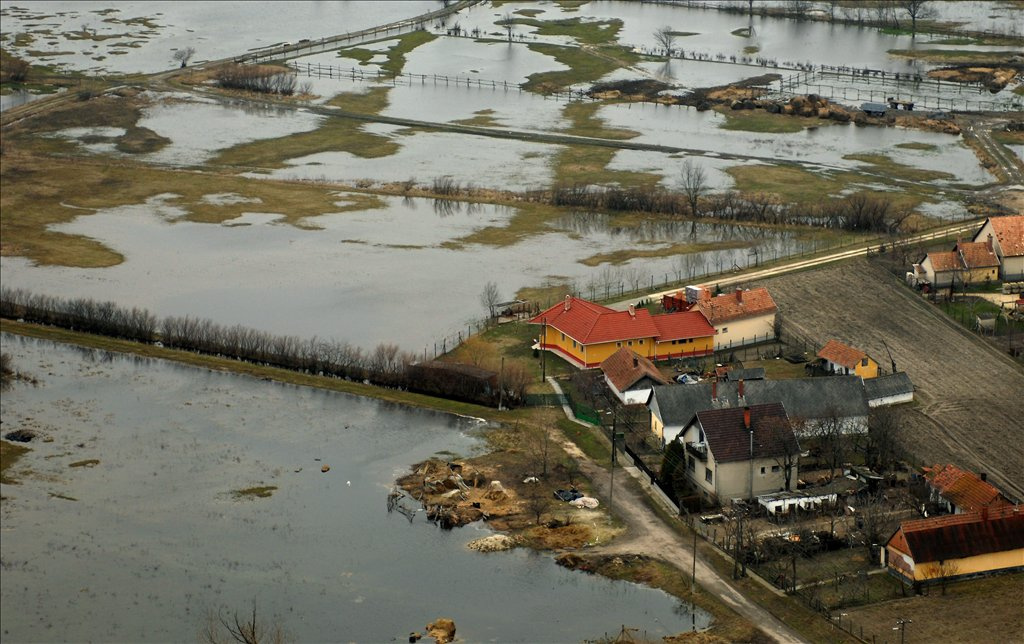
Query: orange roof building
point(846, 360)
point(631, 376)
point(958, 545)
point(740, 317)
point(1004, 236)
point(586, 334)
point(962, 491)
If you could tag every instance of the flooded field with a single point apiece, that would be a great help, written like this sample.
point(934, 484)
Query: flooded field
point(355, 276)
point(146, 537)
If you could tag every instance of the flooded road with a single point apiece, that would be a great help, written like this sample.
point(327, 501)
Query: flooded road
point(142, 543)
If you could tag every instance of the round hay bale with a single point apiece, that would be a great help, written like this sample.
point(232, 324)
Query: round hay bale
point(325, 468)
point(788, 109)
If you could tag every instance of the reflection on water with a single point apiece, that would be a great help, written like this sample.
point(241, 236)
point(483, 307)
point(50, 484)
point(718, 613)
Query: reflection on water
point(140, 546)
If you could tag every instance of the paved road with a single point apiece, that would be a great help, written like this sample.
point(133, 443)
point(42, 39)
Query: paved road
point(801, 264)
point(648, 535)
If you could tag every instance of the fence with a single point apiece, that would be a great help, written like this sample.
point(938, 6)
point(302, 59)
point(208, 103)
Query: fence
point(319, 70)
point(879, 86)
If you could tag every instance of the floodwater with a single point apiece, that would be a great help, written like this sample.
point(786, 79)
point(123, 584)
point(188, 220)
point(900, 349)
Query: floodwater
point(120, 43)
point(142, 545)
point(363, 277)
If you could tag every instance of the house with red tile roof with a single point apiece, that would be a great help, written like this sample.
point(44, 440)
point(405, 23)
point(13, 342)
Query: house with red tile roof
point(845, 360)
point(960, 491)
point(967, 263)
point(740, 452)
point(585, 334)
point(1005, 237)
point(957, 546)
point(631, 377)
point(740, 317)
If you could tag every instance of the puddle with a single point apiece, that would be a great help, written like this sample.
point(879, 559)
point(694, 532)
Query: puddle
point(142, 545)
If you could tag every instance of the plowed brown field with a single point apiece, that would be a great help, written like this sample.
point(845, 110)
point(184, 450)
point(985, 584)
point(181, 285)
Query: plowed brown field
point(969, 396)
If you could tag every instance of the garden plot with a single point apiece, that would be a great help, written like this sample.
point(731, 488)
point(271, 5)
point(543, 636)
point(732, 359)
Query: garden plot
point(952, 421)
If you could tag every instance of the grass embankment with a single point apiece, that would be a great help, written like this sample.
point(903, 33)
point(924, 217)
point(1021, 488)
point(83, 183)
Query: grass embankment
point(9, 455)
point(38, 192)
point(914, 145)
point(480, 118)
point(396, 54)
point(619, 257)
point(333, 135)
point(889, 168)
point(1008, 137)
point(955, 55)
point(89, 462)
point(588, 164)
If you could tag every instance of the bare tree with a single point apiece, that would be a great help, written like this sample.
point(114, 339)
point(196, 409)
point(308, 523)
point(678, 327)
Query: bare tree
point(828, 434)
point(490, 297)
point(537, 502)
point(799, 8)
point(885, 426)
point(220, 629)
point(665, 37)
point(507, 22)
point(782, 434)
point(916, 9)
point(538, 447)
point(943, 570)
point(184, 55)
point(695, 185)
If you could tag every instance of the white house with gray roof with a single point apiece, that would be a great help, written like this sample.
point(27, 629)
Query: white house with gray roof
point(811, 402)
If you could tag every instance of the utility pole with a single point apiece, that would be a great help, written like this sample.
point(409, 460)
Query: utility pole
point(543, 351)
point(901, 626)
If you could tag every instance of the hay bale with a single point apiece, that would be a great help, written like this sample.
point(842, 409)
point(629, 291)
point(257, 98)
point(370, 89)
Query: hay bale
point(823, 112)
point(492, 543)
point(496, 492)
point(838, 114)
point(788, 109)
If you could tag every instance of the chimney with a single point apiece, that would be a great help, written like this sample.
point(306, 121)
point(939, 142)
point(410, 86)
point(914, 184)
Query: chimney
point(983, 476)
point(636, 361)
point(632, 311)
point(741, 388)
point(568, 300)
point(989, 242)
point(739, 295)
point(746, 417)
point(705, 294)
point(714, 389)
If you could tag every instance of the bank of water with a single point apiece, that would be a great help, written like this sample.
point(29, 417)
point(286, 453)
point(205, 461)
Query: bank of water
point(142, 544)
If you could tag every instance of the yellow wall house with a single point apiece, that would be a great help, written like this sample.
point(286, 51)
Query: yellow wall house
point(845, 360)
point(953, 546)
point(586, 334)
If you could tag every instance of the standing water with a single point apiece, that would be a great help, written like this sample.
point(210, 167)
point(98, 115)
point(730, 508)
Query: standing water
point(125, 527)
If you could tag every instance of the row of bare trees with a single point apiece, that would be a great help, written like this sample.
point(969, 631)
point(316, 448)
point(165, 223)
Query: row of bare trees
point(386, 365)
point(265, 79)
point(858, 212)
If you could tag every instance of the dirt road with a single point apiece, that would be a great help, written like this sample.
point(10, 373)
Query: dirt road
point(648, 535)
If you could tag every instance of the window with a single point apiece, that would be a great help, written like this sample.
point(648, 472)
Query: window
point(708, 474)
point(630, 343)
point(618, 344)
point(563, 337)
point(691, 464)
point(762, 471)
point(863, 362)
point(776, 468)
point(725, 329)
point(573, 344)
point(641, 341)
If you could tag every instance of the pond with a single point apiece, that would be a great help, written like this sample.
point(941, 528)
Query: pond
point(141, 544)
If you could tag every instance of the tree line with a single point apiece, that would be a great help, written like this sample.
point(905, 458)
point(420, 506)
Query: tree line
point(386, 365)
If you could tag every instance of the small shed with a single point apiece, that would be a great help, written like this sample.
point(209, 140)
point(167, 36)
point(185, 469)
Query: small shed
point(985, 323)
point(874, 109)
point(890, 389)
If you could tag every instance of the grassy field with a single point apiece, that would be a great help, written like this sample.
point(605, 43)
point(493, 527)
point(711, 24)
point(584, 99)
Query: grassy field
point(954, 55)
point(952, 617)
point(885, 165)
point(9, 455)
point(585, 66)
point(396, 54)
point(333, 135)
point(38, 192)
point(584, 121)
point(761, 121)
point(587, 32)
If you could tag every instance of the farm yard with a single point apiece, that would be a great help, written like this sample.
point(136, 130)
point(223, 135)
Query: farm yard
point(967, 394)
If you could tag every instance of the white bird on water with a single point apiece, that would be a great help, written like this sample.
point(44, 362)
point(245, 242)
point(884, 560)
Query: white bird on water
point(348, 483)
